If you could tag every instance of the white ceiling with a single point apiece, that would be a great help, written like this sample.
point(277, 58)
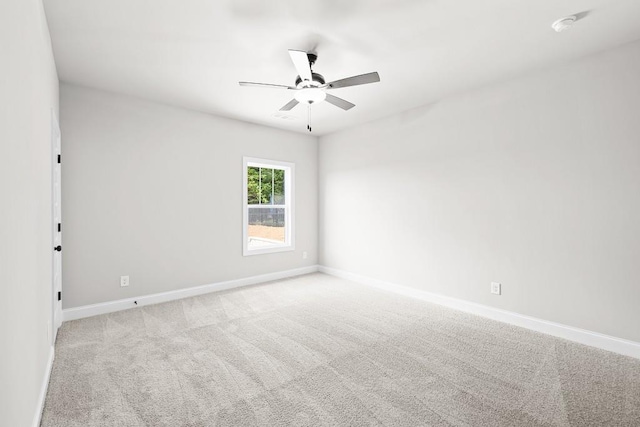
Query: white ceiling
point(192, 53)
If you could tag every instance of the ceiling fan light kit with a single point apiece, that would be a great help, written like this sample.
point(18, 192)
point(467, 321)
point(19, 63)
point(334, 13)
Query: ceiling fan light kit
point(310, 95)
point(310, 88)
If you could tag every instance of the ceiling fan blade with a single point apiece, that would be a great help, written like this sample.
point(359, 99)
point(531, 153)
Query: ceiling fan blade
point(301, 62)
point(267, 85)
point(290, 105)
point(339, 102)
point(362, 79)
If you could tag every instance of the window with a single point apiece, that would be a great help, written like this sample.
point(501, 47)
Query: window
point(268, 206)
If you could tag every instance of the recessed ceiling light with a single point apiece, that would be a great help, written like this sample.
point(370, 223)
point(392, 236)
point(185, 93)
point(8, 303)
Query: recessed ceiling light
point(563, 23)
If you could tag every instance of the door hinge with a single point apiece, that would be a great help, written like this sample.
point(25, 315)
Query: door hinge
point(59, 157)
point(59, 296)
point(59, 227)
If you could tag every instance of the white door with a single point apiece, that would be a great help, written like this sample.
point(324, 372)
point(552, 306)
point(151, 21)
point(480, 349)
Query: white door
point(56, 312)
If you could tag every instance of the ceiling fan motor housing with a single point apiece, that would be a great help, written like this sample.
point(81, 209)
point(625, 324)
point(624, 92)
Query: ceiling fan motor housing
point(317, 80)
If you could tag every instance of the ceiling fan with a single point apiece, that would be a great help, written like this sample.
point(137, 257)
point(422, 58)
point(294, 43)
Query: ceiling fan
point(310, 88)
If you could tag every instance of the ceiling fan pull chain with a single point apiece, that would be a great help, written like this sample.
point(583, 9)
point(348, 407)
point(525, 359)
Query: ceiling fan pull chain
point(309, 117)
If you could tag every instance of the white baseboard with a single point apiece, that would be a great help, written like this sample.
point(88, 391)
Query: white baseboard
point(582, 336)
point(125, 304)
point(43, 389)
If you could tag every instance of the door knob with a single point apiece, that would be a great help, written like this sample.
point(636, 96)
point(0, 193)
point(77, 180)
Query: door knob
point(58, 248)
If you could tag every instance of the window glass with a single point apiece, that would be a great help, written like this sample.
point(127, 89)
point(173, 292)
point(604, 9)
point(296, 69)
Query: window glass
point(268, 223)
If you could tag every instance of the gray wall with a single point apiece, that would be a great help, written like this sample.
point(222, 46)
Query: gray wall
point(28, 93)
point(534, 183)
point(155, 192)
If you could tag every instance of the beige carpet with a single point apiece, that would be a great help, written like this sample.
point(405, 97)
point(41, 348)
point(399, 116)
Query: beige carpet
point(320, 351)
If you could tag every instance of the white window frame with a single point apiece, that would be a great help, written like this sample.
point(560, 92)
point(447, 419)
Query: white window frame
point(289, 177)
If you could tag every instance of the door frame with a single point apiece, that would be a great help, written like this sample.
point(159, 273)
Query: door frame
point(56, 149)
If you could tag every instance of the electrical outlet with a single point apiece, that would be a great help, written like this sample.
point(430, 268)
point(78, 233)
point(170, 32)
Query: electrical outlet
point(496, 288)
point(124, 281)
point(304, 255)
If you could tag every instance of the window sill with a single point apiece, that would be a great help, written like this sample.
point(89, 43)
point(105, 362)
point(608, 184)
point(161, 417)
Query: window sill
point(250, 252)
